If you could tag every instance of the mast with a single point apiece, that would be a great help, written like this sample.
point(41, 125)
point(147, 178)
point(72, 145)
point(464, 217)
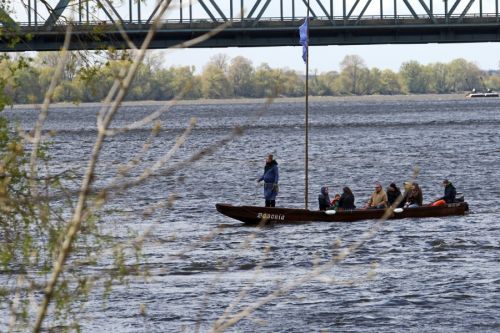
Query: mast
point(306, 191)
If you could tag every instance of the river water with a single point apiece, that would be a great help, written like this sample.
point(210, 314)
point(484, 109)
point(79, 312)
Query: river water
point(427, 275)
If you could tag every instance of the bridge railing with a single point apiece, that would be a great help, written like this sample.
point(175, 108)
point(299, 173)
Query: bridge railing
point(378, 20)
point(48, 13)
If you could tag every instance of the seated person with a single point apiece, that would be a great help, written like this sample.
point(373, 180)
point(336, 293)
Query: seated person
point(335, 202)
point(378, 198)
point(393, 193)
point(407, 187)
point(415, 197)
point(449, 192)
point(324, 199)
point(346, 200)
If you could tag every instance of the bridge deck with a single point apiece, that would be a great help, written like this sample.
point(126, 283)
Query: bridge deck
point(40, 25)
point(248, 33)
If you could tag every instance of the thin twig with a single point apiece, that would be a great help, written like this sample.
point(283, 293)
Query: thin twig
point(45, 107)
point(79, 212)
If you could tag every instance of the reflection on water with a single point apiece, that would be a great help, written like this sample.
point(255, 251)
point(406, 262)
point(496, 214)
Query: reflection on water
point(438, 274)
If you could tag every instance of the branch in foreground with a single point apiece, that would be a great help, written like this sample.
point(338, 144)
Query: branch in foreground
point(104, 120)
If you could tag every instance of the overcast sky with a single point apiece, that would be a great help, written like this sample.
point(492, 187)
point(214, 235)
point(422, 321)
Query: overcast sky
point(327, 58)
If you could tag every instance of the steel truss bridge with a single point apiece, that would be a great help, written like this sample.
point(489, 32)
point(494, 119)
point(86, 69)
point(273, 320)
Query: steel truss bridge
point(40, 25)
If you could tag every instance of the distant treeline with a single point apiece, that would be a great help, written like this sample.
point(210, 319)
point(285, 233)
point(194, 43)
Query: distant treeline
point(88, 79)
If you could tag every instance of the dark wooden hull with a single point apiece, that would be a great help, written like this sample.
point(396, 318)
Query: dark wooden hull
point(263, 215)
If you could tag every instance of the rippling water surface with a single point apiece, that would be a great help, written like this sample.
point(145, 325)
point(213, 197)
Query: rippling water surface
point(427, 275)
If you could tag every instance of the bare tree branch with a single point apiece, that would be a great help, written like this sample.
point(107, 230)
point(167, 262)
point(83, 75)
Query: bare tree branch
point(45, 107)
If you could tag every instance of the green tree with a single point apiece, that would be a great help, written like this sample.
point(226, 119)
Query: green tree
point(289, 83)
point(370, 81)
point(241, 77)
point(463, 75)
point(175, 81)
point(94, 82)
point(390, 83)
point(438, 75)
point(140, 88)
point(185, 83)
point(162, 87)
point(18, 81)
point(214, 83)
point(414, 77)
point(493, 82)
point(352, 70)
point(266, 81)
point(28, 88)
point(323, 84)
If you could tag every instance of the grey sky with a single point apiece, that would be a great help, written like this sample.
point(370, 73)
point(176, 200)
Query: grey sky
point(327, 58)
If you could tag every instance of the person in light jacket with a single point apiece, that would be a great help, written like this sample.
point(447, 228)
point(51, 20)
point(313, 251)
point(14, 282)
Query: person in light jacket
point(378, 199)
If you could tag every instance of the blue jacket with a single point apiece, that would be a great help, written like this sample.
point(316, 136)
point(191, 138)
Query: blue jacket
point(270, 177)
point(271, 173)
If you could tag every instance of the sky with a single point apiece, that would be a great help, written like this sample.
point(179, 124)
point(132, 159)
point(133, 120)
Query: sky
point(328, 58)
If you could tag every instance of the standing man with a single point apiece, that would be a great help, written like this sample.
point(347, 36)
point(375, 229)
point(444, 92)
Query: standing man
point(270, 178)
point(378, 198)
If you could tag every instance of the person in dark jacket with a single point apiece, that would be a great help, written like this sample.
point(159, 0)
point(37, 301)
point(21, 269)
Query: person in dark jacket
point(346, 200)
point(270, 178)
point(449, 192)
point(393, 193)
point(324, 199)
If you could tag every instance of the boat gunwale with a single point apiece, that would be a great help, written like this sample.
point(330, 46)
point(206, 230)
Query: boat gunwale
point(258, 214)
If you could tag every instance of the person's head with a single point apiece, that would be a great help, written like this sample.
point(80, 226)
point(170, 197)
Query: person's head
point(270, 158)
point(415, 187)
point(324, 190)
point(446, 182)
point(378, 187)
point(347, 190)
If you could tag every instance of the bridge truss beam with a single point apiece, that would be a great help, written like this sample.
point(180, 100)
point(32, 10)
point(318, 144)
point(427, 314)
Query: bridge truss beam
point(251, 22)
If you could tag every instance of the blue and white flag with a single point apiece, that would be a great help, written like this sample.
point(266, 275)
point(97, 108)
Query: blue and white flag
point(304, 38)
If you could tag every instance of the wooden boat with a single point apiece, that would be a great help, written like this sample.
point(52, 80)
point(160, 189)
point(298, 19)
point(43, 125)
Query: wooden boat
point(254, 215)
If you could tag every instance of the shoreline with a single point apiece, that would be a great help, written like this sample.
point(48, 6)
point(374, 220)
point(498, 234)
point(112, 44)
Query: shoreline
point(313, 99)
